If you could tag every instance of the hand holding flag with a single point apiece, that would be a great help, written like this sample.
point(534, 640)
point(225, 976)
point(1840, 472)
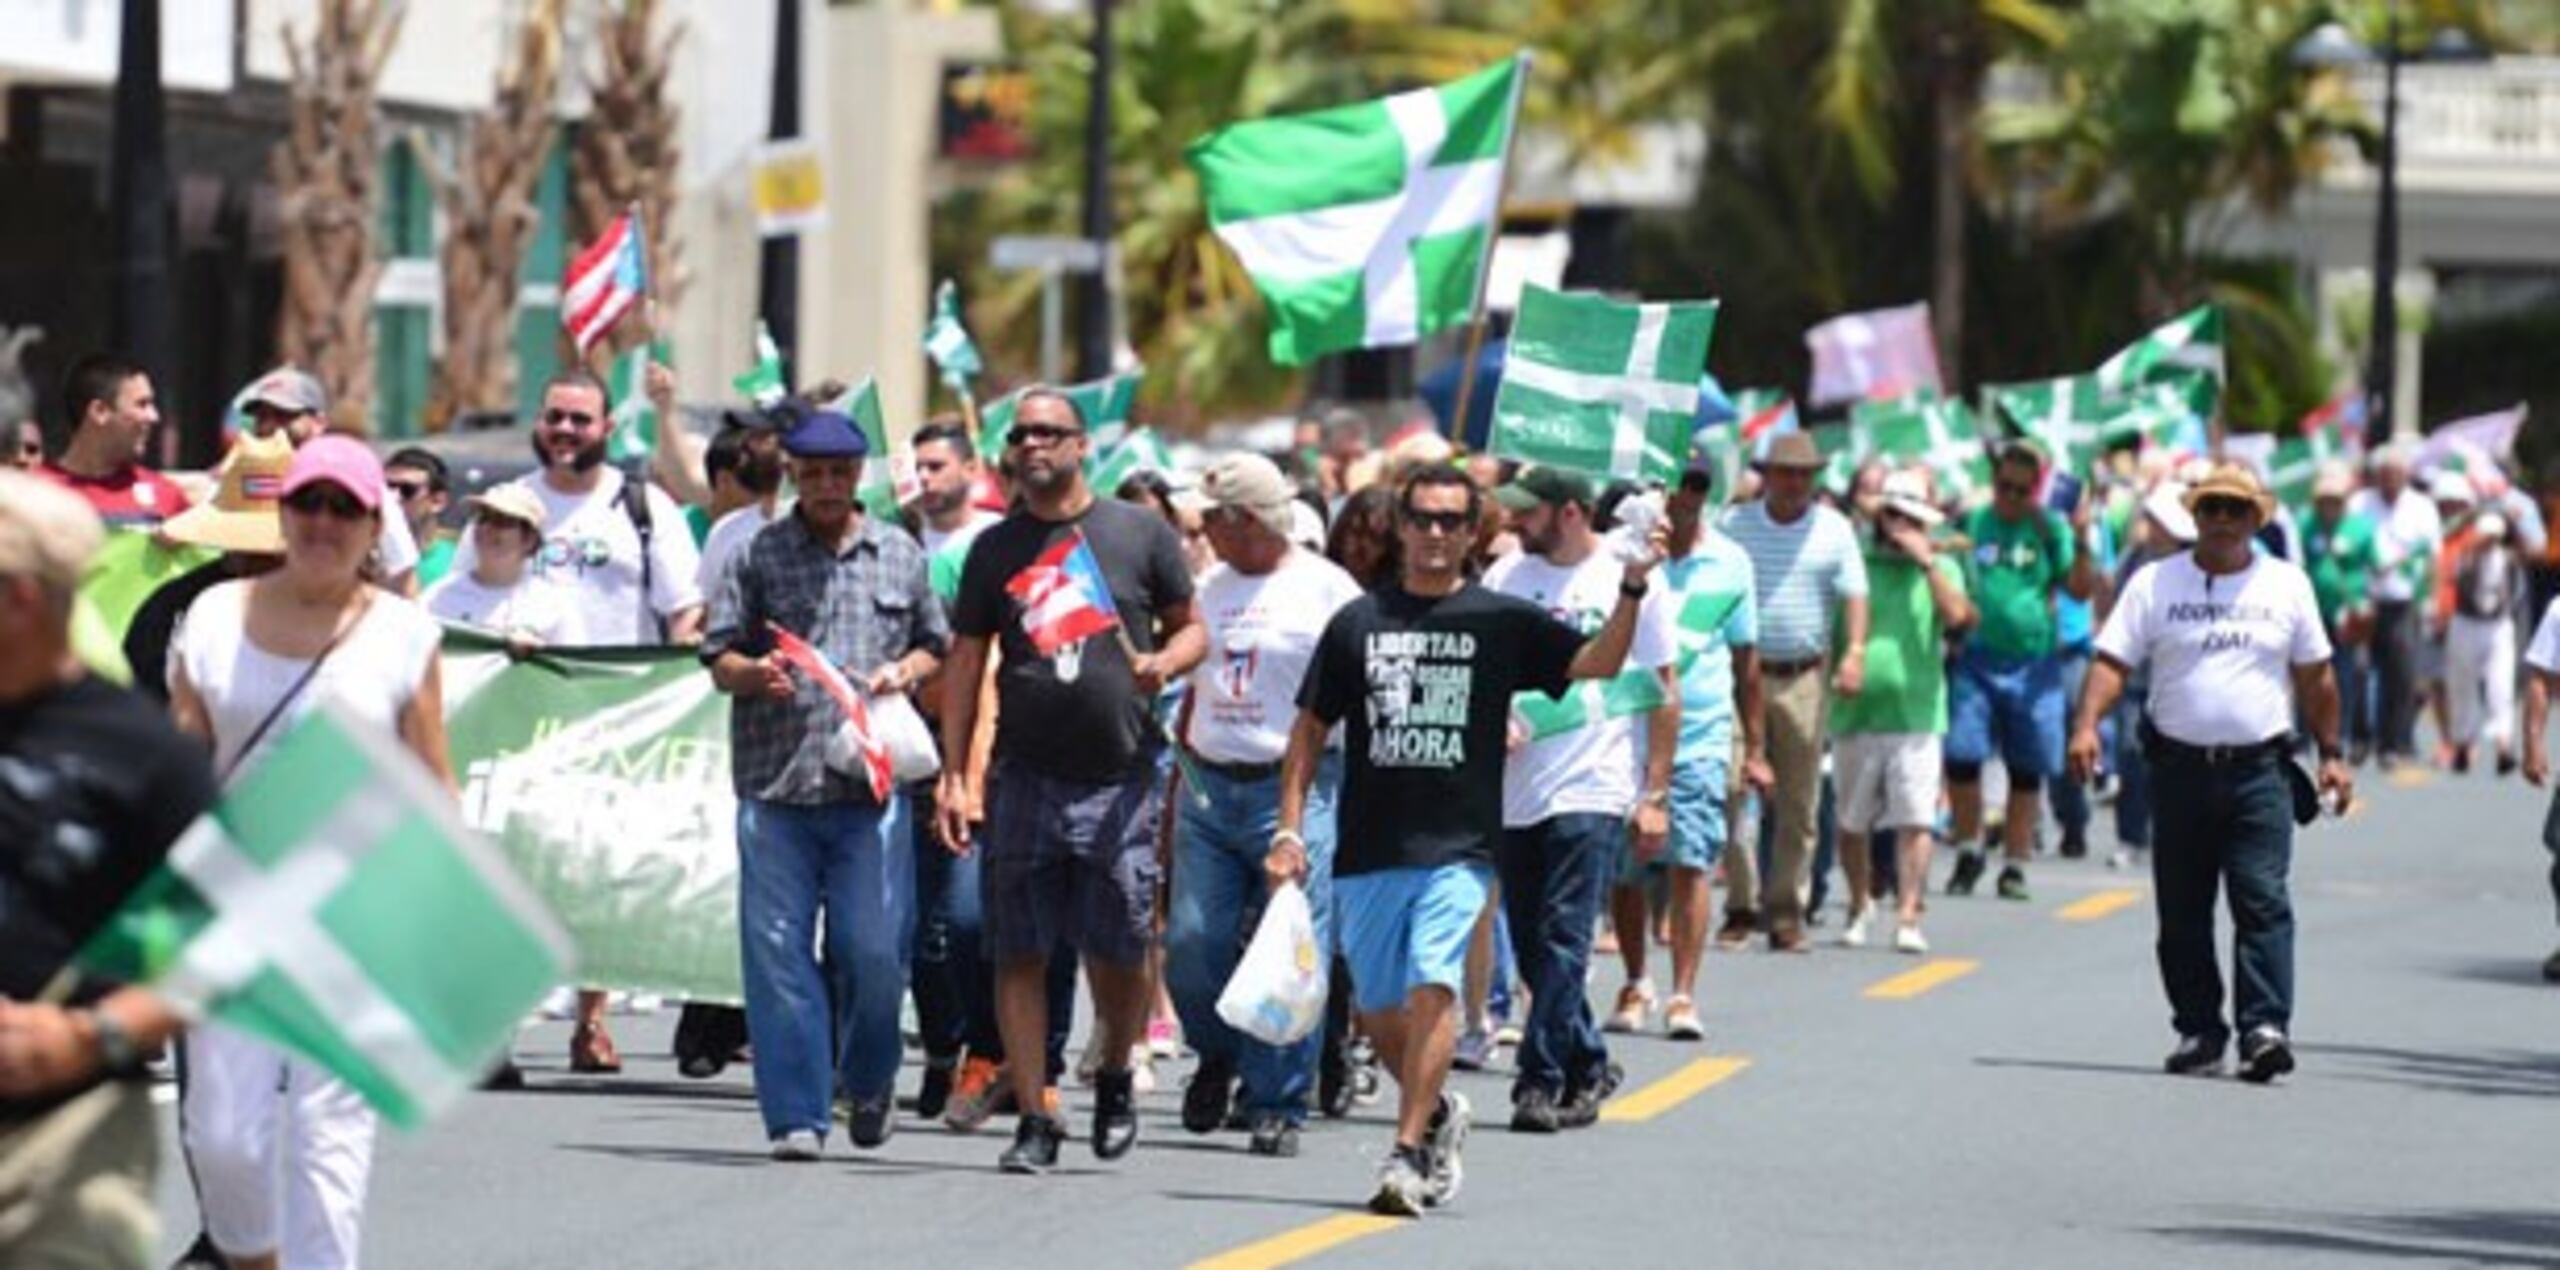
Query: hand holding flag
point(796, 653)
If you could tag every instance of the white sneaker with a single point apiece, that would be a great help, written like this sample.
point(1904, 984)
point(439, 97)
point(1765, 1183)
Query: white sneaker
point(1854, 935)
point(2119, 859)
point(1475, 1051)
point(1635, 1008)
point(797, 1147)
point(1142, 1070)
point(560, 1003)
point(1908, 939)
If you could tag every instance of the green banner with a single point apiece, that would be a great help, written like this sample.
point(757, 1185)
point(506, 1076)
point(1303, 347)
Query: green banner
point(603, 775)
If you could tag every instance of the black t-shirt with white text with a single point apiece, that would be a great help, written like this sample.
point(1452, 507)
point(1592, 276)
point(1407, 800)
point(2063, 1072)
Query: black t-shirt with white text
point(1425, 687)
point(95, 784)
point(1076, 713)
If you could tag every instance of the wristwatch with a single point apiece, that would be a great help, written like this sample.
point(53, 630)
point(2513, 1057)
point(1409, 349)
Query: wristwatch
point(1634, 590)
point(117, 1054)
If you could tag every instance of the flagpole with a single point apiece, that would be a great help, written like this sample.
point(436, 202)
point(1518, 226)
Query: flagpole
point(1484, 267)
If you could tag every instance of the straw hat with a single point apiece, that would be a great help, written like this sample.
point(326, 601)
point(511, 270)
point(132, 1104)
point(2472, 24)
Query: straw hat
point(242, 514)
point(2233, 480)
point(1907, 493)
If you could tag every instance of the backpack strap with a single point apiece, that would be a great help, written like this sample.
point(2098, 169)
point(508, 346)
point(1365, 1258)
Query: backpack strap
point(635, 504)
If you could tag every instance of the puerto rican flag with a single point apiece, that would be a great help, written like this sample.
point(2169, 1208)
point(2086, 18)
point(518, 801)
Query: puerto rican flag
point(1065, 599)
point(605, 281)
point(809, 661)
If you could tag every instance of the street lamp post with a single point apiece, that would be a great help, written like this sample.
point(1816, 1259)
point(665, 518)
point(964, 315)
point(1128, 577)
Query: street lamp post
point(1093, 342)
point(2383, 371)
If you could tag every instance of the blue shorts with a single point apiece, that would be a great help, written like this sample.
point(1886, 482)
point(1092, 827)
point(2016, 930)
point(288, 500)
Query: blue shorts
point(1700, 792)
point(1069, 862)
point(2009, 707)
point(1404, 929)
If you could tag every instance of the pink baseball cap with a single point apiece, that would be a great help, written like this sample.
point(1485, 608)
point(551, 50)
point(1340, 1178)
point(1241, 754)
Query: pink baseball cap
point(341, 461)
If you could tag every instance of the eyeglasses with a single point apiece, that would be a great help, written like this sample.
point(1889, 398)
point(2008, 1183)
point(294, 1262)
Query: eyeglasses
point(326, 500)
point(574, 418)
point(407, 489)
point(1436, 522)
point(2234, 508)
point(1024, 435)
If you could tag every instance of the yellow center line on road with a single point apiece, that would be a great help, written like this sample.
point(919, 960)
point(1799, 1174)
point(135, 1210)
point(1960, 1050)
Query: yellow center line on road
point(1292, 1246)
point(1672, 1090)
point(2409, 777)
point(1930, 974)
point(2090, 908)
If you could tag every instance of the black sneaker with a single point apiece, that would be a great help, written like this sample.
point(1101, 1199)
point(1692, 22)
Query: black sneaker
point(504, 1078)
point(1206, 1100)
point(2264, 1054)
point(699, 1066)
point(2195, 1056)
point(1115, 1114)
point(2013, 883)
point(872, 1121)
point(1036, 1140)
point(934, 1094)
point(1967, 874)
point(2551, 967)
point(1274, 1136)
point(1581, 1108)
point(1533, 1110)
point(1448, 1133)
point(2075, 844)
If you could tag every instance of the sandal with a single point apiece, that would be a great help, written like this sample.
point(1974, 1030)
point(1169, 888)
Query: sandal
point(591, 1051)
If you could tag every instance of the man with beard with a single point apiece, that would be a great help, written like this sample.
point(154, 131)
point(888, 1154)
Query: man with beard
point(620, 555)
point(1090, 602)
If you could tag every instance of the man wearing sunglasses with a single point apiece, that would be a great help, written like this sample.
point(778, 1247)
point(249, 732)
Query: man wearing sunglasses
point(1421, 674)
point(1090, 602)
point(2236, 651)
point(291, 404)
point(2007, 698)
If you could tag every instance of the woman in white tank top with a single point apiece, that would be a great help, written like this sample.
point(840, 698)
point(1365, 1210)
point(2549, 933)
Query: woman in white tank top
point(253, 657)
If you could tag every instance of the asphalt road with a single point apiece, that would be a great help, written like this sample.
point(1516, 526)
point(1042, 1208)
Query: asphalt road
point(2004, 1109)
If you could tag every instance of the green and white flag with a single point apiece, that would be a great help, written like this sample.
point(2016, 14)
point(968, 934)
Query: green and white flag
point(764, 383)
point(1106, 404)
point(2190, 343)
point(334, 904)
point(1939, 433)
point(2166, 413)
point(2066, 416)
point(947, 342)
point(1607, 389)
point(1366, 226)
point(1588, 701)
point(635, 417)
point(887, 481)
point(2296, 465)
point(1722, 446)
point(1140, 450)
point(1840, 455)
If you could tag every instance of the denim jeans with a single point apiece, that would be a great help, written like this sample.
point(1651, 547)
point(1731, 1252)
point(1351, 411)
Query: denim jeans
point(953, 983)
point(852, 867)
point(2355, 692)
point(2133, 771)
point(1555, 875)
point(1218, 894)
point(2224, 827)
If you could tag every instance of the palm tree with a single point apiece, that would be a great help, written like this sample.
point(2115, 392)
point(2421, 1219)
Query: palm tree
point(327, 171)
point(490, 220)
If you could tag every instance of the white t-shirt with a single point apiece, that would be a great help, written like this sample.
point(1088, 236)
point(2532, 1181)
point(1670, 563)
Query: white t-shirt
point(2543, 653)
point(1596, 767)
point(935, 539)
point(2409, 526)
point(591, 551)
point(2221, 647)
point(374, 672)
point(529, 608)
point(729, 536)
point(1262, 635)
point(397, 548)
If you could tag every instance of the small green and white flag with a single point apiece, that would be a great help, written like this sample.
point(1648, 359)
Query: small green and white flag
point(2191, 342)
point(1369, 225)
point(1140, 450)
point(1607, 389)
point(887, 482)
point(635, 417)
point(1838, 446)
point(2065, 416)
point(1937, 432)
point(764, 383)
point(1589, 701)
point(1106, 404)
point(1722, 446)
point(947, 342)
point(335, 905)
point(2296, 466)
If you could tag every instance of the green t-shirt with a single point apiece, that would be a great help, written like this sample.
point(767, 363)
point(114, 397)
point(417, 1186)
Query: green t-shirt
point(436, 561)
point(1906, 684)
point(2340, 561)
point(2012, 574)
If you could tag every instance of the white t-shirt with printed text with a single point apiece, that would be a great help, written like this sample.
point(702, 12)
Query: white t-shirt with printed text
point(1262, 632)
point(1597, 767)
point(2221, 647)
point(591, 552)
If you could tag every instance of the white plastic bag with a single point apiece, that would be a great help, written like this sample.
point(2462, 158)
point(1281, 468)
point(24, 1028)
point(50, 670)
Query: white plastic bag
point(1277, 993)
point(913, 756)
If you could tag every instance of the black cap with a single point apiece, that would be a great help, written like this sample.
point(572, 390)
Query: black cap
point(1552, 486)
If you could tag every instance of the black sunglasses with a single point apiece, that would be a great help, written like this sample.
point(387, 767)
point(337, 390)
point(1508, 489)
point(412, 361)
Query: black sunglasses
point(1029, 434)
point(407, 489)
point(2235, 508)
point(574, 418)
point(1444, 522)
point(326, 500)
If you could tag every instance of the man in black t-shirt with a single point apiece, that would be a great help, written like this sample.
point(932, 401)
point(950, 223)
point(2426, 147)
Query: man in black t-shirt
point(1089, 601)
point(94, 786)
point(1421, 674)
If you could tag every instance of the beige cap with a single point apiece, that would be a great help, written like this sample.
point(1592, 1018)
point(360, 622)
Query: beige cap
point(510, 499)
point(46, 532)
point(2336, 479)
point(1245, 480)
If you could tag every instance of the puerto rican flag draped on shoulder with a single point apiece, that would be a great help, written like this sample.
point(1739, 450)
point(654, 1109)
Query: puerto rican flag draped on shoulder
point(1065, 599)
point(605, 281)
point(809, 661)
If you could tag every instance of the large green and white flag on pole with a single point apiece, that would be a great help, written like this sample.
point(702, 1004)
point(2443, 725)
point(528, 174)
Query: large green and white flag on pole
point(1595, 386)
point(947, 342)
point(1106, 404)
point(1366, 226)
point(2188, 344)
point(336, 905)
point(2066, 417)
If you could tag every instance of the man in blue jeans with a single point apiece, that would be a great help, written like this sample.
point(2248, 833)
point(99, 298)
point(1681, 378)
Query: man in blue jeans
point(1575, 782)
point(1264, 604)
point(816, 844)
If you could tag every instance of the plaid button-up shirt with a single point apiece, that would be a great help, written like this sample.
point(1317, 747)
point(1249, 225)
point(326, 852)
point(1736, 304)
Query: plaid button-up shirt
point(861, 609)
